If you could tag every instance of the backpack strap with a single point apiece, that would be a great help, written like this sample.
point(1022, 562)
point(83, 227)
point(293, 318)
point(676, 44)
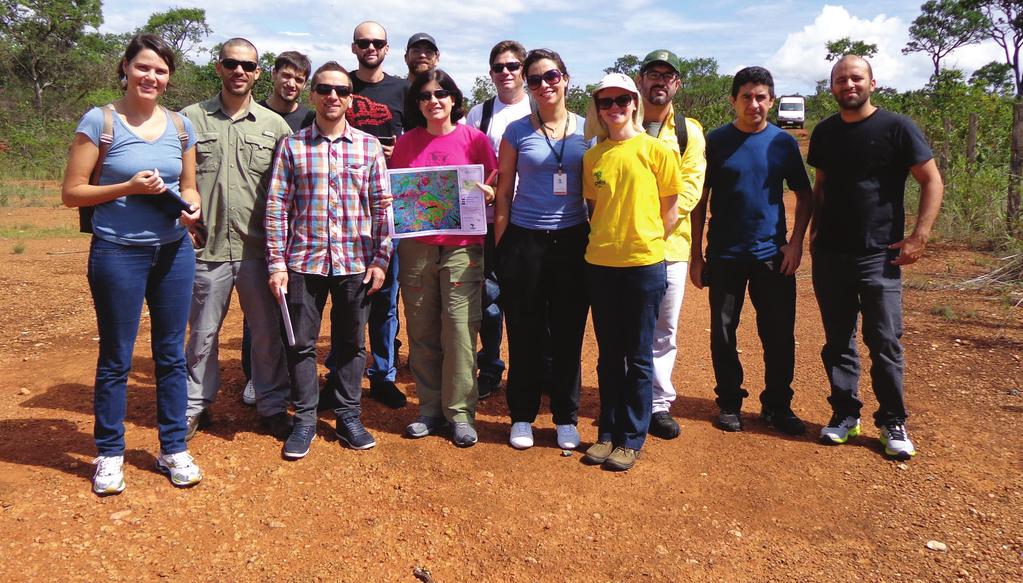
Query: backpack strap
point(179, 127)
point(681, 132)
point(488, 114)
point(106, 137)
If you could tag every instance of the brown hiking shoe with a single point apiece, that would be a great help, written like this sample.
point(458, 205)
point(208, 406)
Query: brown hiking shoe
point(621, 459)
point(598, 452)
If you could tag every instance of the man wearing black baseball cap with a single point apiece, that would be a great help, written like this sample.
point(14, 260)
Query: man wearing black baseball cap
point(421, 54)
point(658, 80)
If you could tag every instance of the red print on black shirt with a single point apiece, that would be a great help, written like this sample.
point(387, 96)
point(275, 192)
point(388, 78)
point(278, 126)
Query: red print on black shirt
point(365, 112)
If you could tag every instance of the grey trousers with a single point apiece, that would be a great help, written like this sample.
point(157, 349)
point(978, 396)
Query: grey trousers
point(211, 297)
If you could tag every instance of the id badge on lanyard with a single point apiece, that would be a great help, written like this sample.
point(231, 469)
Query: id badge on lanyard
point(560, 183)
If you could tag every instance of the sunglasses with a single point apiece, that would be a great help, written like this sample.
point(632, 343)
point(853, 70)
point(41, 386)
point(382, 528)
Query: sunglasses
point(325, 89)
point(363, 43)
point(607, 102)
point(511, 67)
point(232, 64)
point(552, 77)
point(439, 94)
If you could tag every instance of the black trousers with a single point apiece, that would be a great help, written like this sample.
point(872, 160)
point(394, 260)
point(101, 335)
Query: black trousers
point(543, 290)
point(847, 286)
point(774, 298)
point(307, 296)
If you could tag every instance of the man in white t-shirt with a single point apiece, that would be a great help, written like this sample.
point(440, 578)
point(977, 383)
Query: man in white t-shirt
point(492, 117)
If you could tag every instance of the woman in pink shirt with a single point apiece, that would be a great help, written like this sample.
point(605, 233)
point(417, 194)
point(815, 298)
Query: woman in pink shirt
point(441, 276)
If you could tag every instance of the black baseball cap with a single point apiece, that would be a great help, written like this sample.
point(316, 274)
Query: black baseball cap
point(421, 37)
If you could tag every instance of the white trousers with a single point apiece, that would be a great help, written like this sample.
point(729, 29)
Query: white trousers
point(664, 335)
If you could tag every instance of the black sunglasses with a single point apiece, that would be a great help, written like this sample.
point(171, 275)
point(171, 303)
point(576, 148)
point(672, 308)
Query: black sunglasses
point(607, 102)
point(439, 94)
point(552, 77)
point(325, 89)
point(500, 67)
point(232, 64)
point(363, 43)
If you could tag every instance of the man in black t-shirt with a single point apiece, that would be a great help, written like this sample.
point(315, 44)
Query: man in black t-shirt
point(290, 72)
point(863, 156)
point(377, 109)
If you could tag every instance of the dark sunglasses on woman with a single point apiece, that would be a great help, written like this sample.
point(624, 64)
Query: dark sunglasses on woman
point(439, 94)
point(232, 64)
point(511, 67)
point(552, 77)
point(325, 89)
point(378, 43)
point(607, 102)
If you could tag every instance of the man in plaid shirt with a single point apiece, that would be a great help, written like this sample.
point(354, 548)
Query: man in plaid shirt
point(328, 233)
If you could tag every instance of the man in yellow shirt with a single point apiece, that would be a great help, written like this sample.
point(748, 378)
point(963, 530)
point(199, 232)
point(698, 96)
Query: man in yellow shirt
point(658, 81)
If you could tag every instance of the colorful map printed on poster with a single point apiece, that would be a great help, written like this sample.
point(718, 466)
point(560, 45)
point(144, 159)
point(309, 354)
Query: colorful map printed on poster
point(442, 200)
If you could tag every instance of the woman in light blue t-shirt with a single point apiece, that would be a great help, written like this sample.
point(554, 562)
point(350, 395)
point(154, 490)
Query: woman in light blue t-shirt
point(541, 230)
point(139, 251)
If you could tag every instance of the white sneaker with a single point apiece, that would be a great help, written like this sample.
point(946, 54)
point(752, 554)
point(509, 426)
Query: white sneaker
point(840, 429)
point(180, 467)
point(249, 394)
point(109, 476)
point(896, 441)
point(568, 436)
point(521, 435)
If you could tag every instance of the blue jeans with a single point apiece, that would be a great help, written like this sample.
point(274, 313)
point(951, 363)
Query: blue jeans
point(488, 358)
point(383, 327)
point(624, 302)
point(120, 277)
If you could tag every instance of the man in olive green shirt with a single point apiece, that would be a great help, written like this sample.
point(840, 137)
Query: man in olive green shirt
point(236, 140)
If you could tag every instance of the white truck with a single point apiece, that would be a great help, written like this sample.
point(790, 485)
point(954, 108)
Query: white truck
point(791, 111)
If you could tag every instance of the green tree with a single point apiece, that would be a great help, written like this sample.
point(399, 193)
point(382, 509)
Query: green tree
point(1005, 27)
point(482, 90)
point(182, 28)
point(41, 37)
point(846, 46)
point(994, 78)
point(942, 27)
point(626, 65)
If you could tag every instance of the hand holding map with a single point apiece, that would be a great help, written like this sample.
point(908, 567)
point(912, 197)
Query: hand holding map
point(440, 200)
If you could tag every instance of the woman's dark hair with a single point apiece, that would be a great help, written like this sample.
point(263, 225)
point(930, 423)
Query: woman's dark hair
point(146, 41)
point(754, 75)
point(540, 54)
point(412, 113)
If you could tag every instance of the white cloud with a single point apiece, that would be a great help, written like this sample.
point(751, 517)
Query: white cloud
point(800, 61)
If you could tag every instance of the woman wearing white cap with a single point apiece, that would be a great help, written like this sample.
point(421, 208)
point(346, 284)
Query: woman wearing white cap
point(631, 182)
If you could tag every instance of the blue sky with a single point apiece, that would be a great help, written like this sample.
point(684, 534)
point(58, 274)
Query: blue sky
point(786, 36)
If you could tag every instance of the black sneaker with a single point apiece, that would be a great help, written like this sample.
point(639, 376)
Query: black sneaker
point(388, 394)
point(194, 423)
point(297, 445)
point(487, 386)
point(663, 426)
point(783, 420)
point(353, 434)
point(728, 420)
point(278, 425)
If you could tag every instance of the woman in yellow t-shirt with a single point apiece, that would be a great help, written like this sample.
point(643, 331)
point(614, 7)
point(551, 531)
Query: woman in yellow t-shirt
point(631, 183)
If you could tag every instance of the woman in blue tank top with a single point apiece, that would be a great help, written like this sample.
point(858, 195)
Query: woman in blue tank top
point(541, 229)
point(138, 252)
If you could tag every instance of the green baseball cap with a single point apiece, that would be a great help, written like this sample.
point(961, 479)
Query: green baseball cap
point(661, 56)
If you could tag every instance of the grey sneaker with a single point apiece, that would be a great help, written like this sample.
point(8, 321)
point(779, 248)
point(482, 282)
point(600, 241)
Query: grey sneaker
point(463, 434)
point(840, 429)
point(249, 394)
point(423, 425)
point(896, 441)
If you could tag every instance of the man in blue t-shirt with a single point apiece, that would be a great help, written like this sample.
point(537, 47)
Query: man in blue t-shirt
point(863, 156)
point(748, 162)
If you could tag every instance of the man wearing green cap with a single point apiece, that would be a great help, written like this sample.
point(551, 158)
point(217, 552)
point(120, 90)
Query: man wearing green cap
point(658, 81)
